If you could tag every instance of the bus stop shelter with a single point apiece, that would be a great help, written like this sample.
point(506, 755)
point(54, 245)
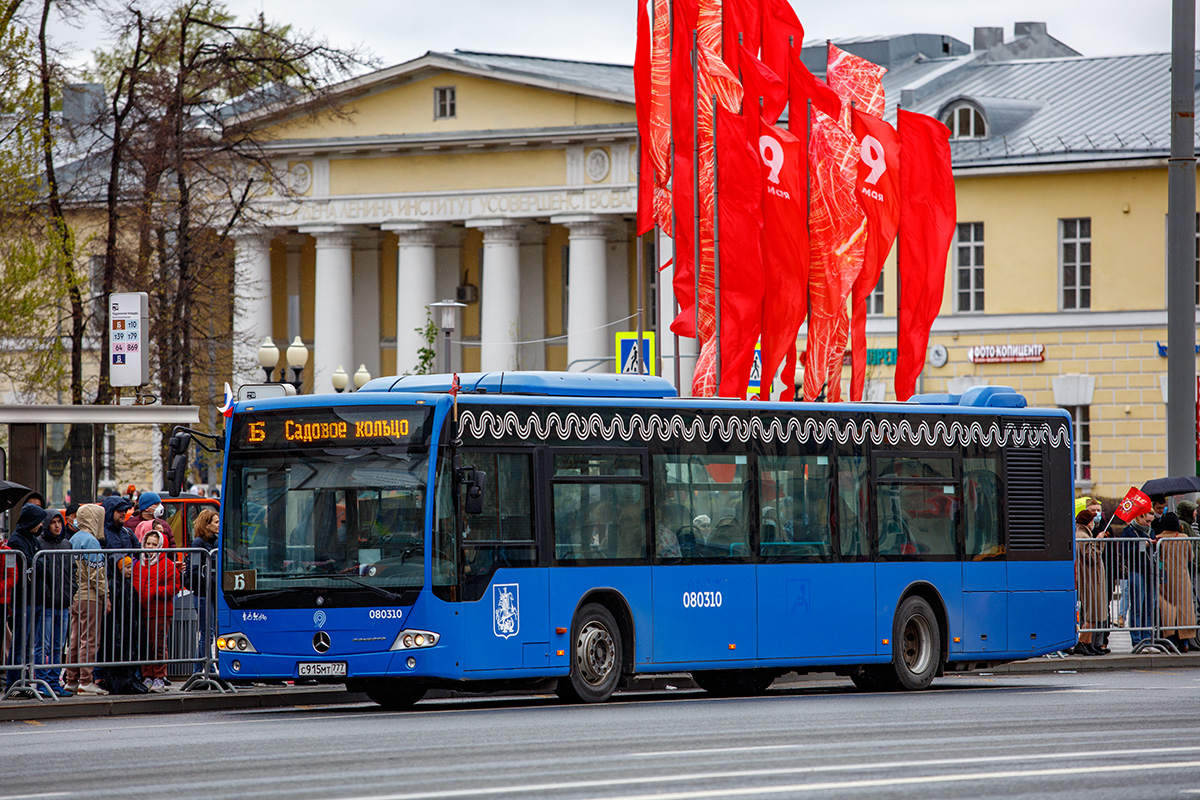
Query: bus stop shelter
point(61, 449)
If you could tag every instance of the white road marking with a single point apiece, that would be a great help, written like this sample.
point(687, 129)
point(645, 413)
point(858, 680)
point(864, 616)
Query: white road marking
point(33, 796)
point(859, 784)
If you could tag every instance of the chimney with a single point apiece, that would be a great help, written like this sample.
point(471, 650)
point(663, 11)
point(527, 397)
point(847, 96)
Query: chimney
point(987, 38)
point(1029, 29)
point(83, 103)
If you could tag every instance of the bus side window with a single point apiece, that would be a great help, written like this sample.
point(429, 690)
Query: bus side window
point(981, 507)
point(853, 507)
point(706, 496)
point(794, 500)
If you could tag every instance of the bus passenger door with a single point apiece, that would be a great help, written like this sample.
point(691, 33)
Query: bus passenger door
point(984, 570)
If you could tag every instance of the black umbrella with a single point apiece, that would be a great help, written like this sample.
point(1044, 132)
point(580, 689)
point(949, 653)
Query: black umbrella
point(1186, 484)
point(11, 494)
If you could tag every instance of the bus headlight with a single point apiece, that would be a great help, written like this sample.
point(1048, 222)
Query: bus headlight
point(415, 640)
point(235, 643)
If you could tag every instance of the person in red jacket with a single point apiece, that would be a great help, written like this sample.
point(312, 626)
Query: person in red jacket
point(157, 581)
point(8, 582)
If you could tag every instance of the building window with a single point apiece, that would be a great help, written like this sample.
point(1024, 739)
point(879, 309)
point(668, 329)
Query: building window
point(970, 266)
point(444, 104)
point(1075, 252)
point(1081, 433)
point(1198, 259)
point(965, 122)
point(875, 299)
point(566, 286)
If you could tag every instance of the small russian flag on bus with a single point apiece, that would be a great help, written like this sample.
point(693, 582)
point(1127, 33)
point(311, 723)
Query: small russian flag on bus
point(227, 409)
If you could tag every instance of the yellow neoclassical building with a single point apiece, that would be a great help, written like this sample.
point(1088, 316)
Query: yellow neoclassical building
point(504, 182)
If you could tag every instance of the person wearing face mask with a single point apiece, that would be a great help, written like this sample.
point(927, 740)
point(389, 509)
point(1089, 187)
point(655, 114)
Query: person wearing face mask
point(1091, 581)
point(157, 581)
point(54, 588)
point(149, 506)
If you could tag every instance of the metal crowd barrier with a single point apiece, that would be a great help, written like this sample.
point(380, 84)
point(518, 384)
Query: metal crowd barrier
point(111, 619)
point(1147, 587)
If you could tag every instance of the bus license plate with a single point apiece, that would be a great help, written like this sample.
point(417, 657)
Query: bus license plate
point(322, 669)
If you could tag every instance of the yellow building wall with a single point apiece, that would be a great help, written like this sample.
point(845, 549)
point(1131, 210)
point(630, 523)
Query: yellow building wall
point(447, 172)
point(1021, 213)
point(481, 104)
point(556, 352)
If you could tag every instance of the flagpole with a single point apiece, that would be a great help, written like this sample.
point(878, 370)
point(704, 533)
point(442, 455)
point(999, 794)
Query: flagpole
point(899, 288)
point(674, 216)
point(716, 248)
point(808, 227)
point(696, 183)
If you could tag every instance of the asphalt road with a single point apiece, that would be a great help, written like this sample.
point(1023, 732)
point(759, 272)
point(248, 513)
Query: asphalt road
point(1120, 735)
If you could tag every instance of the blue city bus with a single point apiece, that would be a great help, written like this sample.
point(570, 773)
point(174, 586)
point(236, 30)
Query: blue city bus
point(577, 530)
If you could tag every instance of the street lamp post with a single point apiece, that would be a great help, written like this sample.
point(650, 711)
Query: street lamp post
point(268, 358)
point(448, 314)
point(361, 376)
point(297, 357)
point(339, 379)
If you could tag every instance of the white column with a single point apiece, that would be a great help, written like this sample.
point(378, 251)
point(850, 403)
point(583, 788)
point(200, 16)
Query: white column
point(533, 297)
point(295, 250)
point(415, 288)
point(252, 309)
point(500, 294)
point(448, 260)
point(588, 337)
point(618, 279)
point(366, 302)
point(333, 339)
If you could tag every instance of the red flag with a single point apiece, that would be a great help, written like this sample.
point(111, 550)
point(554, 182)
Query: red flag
point(785, 251)
point(1135, 504)
point(740, 224)
point(683, 192)
point(782, 34)
point(878, 192)
point(927, 219)
point(762, 88)
point(742, 26)
point(642, 92)
point(804, 86)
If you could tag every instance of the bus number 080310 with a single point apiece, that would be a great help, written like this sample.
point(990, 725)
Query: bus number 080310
point(701, 599)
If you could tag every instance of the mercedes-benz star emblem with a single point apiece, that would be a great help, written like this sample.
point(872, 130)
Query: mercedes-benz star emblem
point(321, 642)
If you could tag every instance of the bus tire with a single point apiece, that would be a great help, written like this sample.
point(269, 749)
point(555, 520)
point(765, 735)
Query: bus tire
point(394, 694)
point(596, 657)
point(734, 682)
point(916, 645)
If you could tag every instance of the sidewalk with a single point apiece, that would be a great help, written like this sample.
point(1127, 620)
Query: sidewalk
point(246, 697)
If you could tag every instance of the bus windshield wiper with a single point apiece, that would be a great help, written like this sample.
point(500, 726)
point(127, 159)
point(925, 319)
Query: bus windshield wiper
point(379, 590)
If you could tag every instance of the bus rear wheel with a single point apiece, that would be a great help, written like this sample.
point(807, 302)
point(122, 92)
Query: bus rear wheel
point(393, 694)
point(916, 651)
point(596, 656)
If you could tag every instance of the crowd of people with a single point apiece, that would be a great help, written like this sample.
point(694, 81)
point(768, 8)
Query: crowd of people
point(1144, 572)
point(104, 609)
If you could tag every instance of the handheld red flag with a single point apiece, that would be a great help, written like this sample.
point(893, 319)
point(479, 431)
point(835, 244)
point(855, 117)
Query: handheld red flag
point(1135, 504)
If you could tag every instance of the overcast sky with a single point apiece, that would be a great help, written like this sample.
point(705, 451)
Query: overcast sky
point(395, 31)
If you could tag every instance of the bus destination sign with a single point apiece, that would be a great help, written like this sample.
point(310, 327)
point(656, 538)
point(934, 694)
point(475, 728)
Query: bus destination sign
point(336, 427)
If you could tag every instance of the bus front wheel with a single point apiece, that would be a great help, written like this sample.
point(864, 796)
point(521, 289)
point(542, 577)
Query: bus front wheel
point(393, 694)
point(595, 656)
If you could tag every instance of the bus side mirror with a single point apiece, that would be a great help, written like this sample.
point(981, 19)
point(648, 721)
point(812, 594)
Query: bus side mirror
point(177, 456)
point(475, 482)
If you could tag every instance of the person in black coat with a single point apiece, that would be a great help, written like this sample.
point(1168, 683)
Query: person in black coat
point(123, 639)
point(116, 536)
point(53, 589)
point(23, 540)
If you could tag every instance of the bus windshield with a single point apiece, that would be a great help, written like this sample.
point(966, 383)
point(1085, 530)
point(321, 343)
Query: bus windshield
point(346, 520)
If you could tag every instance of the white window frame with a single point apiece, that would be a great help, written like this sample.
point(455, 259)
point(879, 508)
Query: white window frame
point(1081, 434)
point(965, 121)
point(445, 102)
point(974, 248)
point(875, 298)
point(1080, 285)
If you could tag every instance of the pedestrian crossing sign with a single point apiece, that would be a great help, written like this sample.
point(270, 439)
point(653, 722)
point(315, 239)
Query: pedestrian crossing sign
point(755, 386)
point(632, 360)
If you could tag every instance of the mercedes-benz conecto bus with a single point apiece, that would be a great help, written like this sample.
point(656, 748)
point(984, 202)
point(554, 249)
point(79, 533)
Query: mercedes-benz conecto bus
point(537, 527)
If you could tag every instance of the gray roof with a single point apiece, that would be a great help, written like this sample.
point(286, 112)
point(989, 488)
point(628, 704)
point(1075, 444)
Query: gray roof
point(587, 76)
point(1050, 110)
